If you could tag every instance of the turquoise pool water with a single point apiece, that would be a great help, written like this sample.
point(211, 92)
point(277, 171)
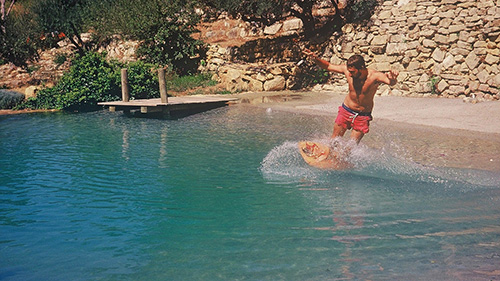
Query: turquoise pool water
point(224, 195)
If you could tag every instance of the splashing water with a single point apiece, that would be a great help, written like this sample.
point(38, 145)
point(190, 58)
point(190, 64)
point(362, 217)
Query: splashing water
point(284, 163)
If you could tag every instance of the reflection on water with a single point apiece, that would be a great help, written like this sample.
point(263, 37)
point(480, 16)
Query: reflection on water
point(225, 195)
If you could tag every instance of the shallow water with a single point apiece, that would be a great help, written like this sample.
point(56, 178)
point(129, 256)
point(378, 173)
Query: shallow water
point(224, 195)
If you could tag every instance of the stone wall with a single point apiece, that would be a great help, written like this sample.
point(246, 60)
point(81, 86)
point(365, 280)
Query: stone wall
point(445, 47)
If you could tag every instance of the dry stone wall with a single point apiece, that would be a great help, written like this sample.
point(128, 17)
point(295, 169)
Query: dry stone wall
point(446, 47)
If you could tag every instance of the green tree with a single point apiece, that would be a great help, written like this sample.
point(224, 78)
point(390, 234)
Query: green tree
point(164, 28)
point(270, 11)
point(19, 35)
point(63, 18)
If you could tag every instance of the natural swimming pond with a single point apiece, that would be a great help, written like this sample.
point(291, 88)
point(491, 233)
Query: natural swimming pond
point(224, 195)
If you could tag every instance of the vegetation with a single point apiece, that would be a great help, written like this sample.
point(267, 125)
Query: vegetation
point(268, 12)
point(433, 81)
point(184, 83)
point(9, 99)
point(18, 35)
point(60, 19)
point(92, 79)
point(164, 29)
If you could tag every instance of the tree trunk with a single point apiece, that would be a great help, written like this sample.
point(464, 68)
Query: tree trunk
point(5, 14)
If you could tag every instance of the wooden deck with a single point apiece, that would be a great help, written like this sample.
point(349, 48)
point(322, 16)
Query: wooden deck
point(175, 105)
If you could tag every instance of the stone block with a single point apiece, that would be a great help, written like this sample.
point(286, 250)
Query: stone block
point(427, 43)
point(491, 59)
point(413, 65)
point(276, 84)
point(438, 55)
point(396, 48)
point(31, 91)
point(273, 29)
point(457, 90)
point(483, 76)
point(379, 40)
point(472, 60)
point(496, 80)
point(442, 86)
point(456, 28)
point(441, 39)
point(449, 61)
point(292, 24)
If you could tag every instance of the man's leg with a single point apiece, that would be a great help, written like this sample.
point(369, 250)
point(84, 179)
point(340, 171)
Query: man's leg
point(357, 136)
point(338, 131)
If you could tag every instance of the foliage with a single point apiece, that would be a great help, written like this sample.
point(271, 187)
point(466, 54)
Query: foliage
point(60, 59)
point(90, 79)
point(433, 81)
point(164, 28)
point(268, 12)
point(62, 18)
point(172, 45)
point(360, 10)
point(9, 99)
point(309, 74)
point(142, 78)
point(178, 83)
point(19, 37)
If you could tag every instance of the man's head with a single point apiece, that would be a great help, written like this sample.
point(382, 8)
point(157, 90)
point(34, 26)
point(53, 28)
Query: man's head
point(354, 64)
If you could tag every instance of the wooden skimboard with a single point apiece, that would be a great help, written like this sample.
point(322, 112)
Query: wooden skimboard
point(322, 156)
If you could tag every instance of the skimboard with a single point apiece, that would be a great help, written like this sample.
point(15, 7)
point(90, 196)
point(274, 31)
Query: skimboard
point(322, 156)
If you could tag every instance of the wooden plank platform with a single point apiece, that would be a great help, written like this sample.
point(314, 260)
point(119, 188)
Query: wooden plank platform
point(175, 105)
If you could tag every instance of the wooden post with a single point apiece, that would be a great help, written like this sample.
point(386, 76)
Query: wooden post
point(125, 88)
point(163, 85)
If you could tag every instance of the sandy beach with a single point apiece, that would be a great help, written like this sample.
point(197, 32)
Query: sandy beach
point(432, 131)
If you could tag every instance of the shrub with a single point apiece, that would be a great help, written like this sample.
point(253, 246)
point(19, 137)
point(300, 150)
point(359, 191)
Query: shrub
point(60, 59)
point(143, 80)
point(183, 83)
point(360, 10)
point(90, 79)
point(9, 99)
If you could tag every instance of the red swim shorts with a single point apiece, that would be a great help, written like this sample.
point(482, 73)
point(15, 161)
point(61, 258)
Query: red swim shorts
point(350, 119)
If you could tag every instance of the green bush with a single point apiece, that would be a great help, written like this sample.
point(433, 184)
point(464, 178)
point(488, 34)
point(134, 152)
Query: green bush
point(9, 99)
point(360, 10)
point(60, 59)
point(183, 83)
point(90, 79)
point(143, 80)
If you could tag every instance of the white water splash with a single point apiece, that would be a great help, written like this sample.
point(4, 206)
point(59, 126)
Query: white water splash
point(284, 164)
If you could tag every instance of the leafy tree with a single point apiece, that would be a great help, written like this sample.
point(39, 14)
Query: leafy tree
point(270, 11)
point(63, 18)
point(19, 35)
point(164, 28)
point(5, 13)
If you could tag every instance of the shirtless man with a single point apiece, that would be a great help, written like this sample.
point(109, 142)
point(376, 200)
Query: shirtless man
point(355, 112)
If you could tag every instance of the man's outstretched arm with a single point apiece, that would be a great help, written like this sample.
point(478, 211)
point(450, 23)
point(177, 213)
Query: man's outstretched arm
point(390, 78)
point(324, 64)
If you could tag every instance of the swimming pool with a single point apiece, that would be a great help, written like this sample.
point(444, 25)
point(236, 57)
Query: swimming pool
point(224, 195)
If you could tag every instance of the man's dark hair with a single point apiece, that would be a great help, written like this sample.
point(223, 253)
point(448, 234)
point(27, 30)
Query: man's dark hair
point(356, 61)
